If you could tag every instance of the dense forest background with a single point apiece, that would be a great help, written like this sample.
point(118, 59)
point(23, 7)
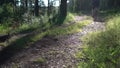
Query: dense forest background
point(26, 22)
point(17, 8)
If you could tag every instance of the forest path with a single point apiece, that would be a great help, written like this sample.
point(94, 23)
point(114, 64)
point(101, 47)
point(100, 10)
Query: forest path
point(54, 52)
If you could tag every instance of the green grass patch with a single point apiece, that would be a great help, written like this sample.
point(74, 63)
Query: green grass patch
point(73, 28)
point(102, 49)
point(4, 28)
point(38, 36)
point(24, 28)
point(69, 18)
point(79, 55)
point(40, 60)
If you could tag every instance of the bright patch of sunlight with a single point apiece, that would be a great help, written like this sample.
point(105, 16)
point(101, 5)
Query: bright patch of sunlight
point(40, 60)
point(4, 29)
point(73, 28)
point(70, 18)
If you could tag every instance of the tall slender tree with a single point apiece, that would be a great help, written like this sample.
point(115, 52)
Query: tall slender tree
point(48, 11)
point(36, 8)
point(26, 3)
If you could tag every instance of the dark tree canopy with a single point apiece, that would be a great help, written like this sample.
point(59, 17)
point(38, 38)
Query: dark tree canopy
point(6, 1)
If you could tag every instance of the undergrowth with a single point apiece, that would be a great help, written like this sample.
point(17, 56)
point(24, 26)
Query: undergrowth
point(63, 29)
point(69, 18)
point(102, 48)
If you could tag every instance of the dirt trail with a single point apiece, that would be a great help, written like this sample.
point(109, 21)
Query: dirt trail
point(57, 52)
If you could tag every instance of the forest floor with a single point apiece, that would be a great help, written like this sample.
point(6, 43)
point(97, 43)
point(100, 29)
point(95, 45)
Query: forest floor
point(54, 52)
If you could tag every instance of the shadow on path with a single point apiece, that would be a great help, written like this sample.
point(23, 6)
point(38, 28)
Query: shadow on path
point(13, 49)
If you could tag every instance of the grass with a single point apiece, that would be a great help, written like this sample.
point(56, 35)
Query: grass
point(73, 28)
point(38, 36)
point(79, 55)
point(24, 28)
point(4, 29)
point(102, 48)
point(20, 43)
point(40, 60)
point(69, 18)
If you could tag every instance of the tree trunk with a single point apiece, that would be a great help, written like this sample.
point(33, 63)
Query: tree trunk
point(26, 3)
point(36, 8)
point(48, 11)
point(63, 8)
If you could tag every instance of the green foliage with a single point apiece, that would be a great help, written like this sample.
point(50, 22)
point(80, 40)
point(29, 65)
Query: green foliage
point(10, 14)
point(59, 20)
point(102, 49)
point(38, 36)
point(69, 18)
point(6, 11)
point(4, 29)
point(25, 27)
point(79, 55)
point(108, 14)
point(86, 5)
